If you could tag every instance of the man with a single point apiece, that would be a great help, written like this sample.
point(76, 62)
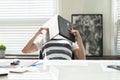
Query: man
point(57, 48)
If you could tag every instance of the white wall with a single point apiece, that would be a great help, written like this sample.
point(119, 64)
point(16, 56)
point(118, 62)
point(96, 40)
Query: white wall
point(68, 7)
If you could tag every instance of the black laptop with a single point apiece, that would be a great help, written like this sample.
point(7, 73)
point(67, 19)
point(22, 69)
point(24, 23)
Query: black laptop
point(64, 27)
point(59, 26)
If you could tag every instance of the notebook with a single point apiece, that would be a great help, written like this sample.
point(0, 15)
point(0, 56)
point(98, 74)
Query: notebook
point(59, 26)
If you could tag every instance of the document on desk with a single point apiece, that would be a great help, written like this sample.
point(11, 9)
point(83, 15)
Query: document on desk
point(5, 64)
point(51, 74)
point(27, 63)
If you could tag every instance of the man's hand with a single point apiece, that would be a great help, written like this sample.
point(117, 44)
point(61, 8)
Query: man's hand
point(40, 31)
point(75, 33)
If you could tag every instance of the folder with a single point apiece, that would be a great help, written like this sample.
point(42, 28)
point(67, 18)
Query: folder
point(59, 26)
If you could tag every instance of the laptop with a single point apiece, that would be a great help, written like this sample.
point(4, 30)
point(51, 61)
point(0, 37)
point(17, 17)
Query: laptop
point(59, 26)
point(3, 72)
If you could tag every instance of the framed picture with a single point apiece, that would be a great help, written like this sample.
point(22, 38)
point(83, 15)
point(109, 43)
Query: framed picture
point(90, 27)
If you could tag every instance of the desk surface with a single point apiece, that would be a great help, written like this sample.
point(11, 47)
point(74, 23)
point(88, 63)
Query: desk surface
point(68, 70)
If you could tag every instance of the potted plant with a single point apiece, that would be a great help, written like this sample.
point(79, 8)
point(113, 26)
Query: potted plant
point(2, 50)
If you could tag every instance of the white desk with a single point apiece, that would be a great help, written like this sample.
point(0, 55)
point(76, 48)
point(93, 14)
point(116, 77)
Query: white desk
point(72, 70)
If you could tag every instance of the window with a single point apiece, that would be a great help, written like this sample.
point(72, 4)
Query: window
point(20, 19)
point(116, 13)
point(29, 12)
point(15, 37)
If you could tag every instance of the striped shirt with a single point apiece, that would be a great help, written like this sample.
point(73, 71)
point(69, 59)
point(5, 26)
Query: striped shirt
point(57, 49)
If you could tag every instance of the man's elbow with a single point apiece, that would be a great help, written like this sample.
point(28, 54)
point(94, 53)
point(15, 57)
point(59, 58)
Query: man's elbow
point(80, 54)
point(83, 58)
point(24, 51)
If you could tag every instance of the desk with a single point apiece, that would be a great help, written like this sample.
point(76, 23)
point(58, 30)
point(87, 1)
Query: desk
point(103, 58)
point(72, 70)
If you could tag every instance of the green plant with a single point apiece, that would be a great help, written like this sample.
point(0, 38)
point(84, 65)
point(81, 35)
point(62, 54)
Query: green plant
point(2, 47)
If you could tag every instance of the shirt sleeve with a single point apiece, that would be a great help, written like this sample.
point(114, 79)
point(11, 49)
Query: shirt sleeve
point(75, 45)
point(38, 44)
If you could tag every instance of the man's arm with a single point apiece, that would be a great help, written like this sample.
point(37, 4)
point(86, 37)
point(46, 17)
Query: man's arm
point(80, 51)
point(30, 46)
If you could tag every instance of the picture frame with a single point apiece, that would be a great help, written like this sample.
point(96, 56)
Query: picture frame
point(90, 27)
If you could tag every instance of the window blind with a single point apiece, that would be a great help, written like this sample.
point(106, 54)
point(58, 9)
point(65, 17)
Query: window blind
point(26, 11)
point(117, 19)
point(20, 19)
point(16, 37)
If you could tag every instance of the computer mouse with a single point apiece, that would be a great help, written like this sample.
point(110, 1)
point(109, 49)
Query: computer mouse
point(15, 62)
